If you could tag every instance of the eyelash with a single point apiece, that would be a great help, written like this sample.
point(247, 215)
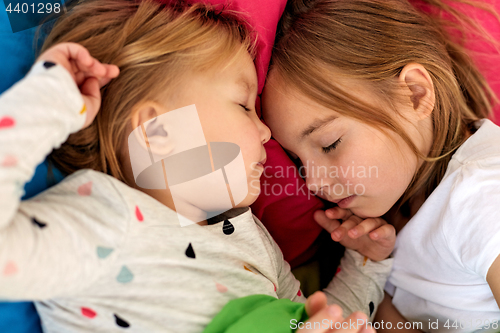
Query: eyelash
point(331, 147)
point(245, 108)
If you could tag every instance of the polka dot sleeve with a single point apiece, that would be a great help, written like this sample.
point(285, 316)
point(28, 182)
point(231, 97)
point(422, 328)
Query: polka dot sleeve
point(37, 114)
point(62, 240)
point(359, 283)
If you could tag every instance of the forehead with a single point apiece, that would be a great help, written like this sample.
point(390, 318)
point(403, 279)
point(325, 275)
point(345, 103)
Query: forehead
point(242, 71)
point(286, 108)
point(285, 105)
point(247, 82)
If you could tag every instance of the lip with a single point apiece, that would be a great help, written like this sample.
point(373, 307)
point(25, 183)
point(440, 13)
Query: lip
point(344, 203)
point(263, 161)
point(338, 200)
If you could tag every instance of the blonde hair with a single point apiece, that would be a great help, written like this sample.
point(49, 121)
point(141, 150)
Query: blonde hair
point(372, 41)
point(153, 44)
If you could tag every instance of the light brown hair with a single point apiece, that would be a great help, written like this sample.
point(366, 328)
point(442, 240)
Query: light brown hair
point(153, 44)
point(372, 40)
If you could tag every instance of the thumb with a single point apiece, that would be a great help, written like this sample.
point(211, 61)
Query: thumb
point(315, 303)
point(333, 315)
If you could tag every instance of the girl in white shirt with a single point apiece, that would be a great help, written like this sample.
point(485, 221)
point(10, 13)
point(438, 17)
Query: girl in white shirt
point(385, 112)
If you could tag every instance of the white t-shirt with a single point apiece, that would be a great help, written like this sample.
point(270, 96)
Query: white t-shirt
point(443, 254)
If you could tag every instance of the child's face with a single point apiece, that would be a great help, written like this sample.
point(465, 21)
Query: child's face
point(361, 160)
point(221, 97)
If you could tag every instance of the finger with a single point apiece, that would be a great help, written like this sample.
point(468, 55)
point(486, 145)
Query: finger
point(79, 78)
point(368, 329)
point(104, 81)
point(78, 53)
point(338, 213)
point(339, 233)
point(92, 98)
point(332, 314)
point(90, 88)
point(387, 233)
point(84, 61)
point(366, 226)
point(328, 224)
point(356, 322)
point(112, 70)
point(315, 303)
point(95, 69)
point(81, 62)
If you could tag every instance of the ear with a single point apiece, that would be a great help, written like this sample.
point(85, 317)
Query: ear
point(421, 88)
point(147, 114)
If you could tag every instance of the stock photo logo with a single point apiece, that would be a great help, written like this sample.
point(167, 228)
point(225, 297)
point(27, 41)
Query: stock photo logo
point(204, 179)
point(26, 14)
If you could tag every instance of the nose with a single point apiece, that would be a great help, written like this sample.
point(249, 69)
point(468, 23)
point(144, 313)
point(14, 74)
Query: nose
point(317, 177)
point(264, 131)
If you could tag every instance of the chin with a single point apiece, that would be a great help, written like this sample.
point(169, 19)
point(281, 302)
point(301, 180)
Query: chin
point(360, 213)
point(250, 199)
point(368, 213)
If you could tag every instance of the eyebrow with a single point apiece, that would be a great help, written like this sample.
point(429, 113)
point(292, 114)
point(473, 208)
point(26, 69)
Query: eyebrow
point(243, 81)
point(316, 125)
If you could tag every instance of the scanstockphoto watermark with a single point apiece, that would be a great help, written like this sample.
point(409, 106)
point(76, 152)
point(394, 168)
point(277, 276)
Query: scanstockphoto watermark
point(353, 325)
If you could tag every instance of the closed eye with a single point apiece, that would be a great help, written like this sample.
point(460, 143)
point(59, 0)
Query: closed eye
point(331, 147)
point(245, 108)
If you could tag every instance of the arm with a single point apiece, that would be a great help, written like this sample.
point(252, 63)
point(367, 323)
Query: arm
point(387, 312)
point(343, 294)
point(38, 114)
point(359, 282)
point(493, 279)
point(364, 269)
point(41, 239)
point(359, 285)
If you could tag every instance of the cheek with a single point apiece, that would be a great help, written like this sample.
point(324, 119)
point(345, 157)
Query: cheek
point(246, 135)
point(390, 174)
point(250, 145)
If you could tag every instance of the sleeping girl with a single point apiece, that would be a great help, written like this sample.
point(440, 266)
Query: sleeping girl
point(379, 84)
point(98, 252)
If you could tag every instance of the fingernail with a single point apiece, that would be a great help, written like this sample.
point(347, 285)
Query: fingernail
point(374, 235)
point(336, 233)
point(353, 232)
point(334, 311)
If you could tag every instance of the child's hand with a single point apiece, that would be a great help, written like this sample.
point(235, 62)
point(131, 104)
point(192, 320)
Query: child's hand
point(89, 74)
point(330, 319)
point(372, 237)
